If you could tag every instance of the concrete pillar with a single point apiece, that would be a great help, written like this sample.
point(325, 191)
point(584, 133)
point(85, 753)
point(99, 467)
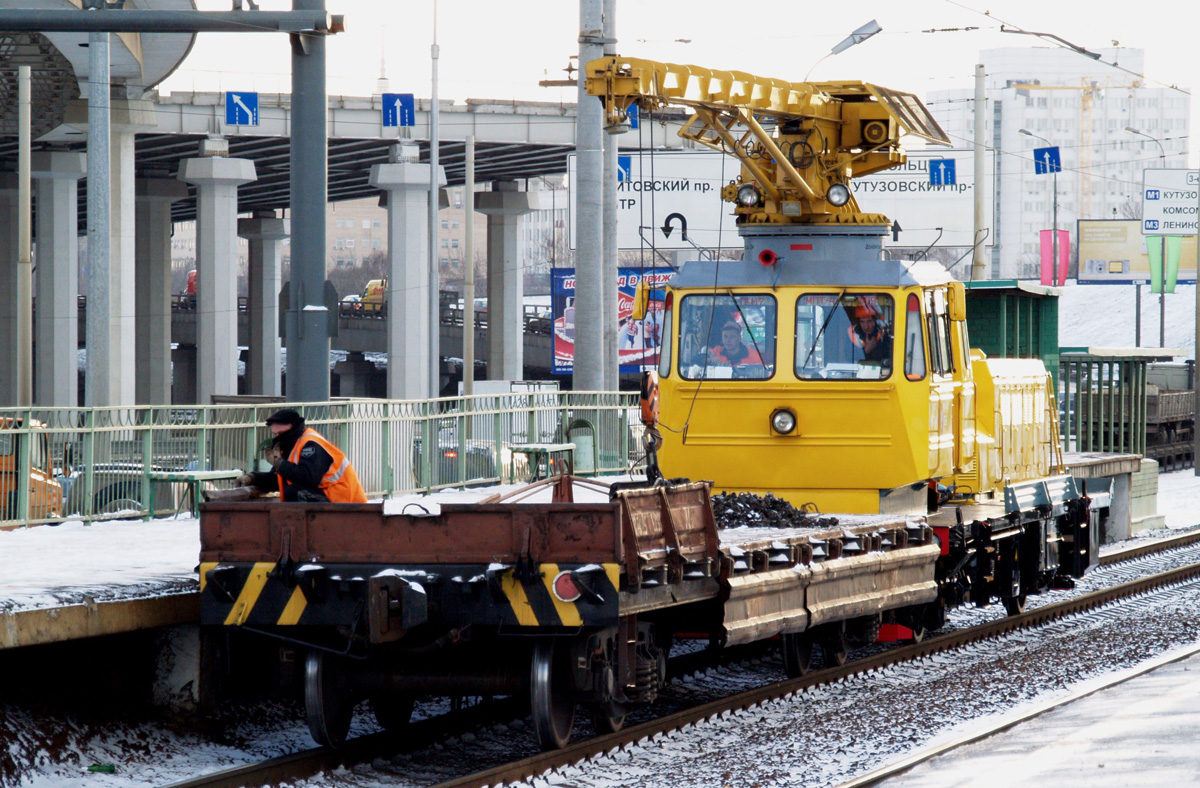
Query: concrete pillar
point(265, 233)
point(183, 375)
point(9, 254)
point(354, 375)
point(56, 330)
point(153, 197)
point(216, 179)
point(114, 353)
point(408, 297)
point(504, 206)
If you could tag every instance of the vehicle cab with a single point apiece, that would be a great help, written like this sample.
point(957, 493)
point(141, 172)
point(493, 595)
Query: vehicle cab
point(26, 462)
point(839, 382)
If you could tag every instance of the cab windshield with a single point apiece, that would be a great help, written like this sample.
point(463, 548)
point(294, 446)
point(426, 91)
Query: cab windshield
point(844, 335)
point(725, 336)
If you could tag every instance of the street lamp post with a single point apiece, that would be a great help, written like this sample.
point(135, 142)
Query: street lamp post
point(1053, 213)
point(1162, 294)
point(1162, 153)
point(857, 37)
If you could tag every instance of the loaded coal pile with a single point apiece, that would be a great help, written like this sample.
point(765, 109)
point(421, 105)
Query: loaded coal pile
point(733, 510)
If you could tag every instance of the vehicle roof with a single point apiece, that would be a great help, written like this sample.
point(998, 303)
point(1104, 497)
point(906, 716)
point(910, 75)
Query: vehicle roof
point(709, 274)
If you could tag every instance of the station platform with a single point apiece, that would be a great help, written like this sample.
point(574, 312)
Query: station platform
point(1138, 733)
point(60, 583)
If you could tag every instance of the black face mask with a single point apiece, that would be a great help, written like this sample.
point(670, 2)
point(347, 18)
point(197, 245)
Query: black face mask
point(286, 440)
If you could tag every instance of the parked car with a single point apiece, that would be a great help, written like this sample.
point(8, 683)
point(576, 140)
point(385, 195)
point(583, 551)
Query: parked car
point(480, 461)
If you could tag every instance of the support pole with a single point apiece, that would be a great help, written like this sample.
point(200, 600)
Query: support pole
point(469, 279)
point(1196, 347)
point(1162, 317)
point(608, 281)
point(978, 269)
point(307, 325)
point(435, 307)
point(588, 371)
point(25, 261)
point(1137, 313)
point(1054, 235)
point(96, 388)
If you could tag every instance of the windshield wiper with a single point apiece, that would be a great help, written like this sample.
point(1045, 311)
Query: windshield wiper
point(824, 325)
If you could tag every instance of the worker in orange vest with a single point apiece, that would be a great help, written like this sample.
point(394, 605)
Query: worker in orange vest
point(306, 468)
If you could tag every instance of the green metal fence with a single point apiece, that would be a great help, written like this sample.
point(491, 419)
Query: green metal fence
point(1102, 402)
point(104, 458)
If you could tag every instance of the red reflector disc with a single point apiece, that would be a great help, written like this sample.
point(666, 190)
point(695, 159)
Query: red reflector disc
point(565, 588)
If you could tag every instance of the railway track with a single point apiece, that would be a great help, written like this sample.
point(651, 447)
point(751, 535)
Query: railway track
point(427, 732)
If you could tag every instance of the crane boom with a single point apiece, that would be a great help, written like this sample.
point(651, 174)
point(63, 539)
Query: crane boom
point(799, 143)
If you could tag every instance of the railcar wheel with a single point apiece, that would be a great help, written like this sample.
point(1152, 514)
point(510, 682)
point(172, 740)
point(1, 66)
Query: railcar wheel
point(550, 696)
point(328, 701)
point(1014, 605)
point(797, 653)
point(832, 639)
point(392, 712)
point(607, 718)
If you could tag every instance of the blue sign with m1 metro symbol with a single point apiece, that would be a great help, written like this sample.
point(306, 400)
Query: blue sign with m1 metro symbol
point(942, 172)
point(241, 109)
point(399, 109)
point(1046, 161)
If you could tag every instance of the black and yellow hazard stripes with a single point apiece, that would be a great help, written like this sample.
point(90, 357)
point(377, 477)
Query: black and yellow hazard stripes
point(239, 594)
point(535, 604)
point(267, 595)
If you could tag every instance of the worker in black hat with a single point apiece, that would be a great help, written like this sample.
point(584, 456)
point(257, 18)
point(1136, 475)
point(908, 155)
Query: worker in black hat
point(306, 468)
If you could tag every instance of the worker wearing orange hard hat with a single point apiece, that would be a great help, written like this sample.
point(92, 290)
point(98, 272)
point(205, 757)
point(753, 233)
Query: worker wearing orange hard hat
point(871, 335)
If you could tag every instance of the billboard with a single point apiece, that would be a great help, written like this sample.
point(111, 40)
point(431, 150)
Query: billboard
point(637, 340)
point(907, 194)
point(654, 186)
point(1114, 251)
point(1169, 202)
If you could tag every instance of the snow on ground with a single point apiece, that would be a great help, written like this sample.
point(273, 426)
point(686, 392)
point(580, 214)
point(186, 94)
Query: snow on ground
point(1179, 498)
point(49, 566)
point(1105, 316)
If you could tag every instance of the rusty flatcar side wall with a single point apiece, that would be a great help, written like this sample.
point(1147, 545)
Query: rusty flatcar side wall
point(668, 530)
point(345, 533)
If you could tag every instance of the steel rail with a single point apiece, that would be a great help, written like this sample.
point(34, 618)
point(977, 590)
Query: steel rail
point(364, 749)
point(1150, 547)
point(529, 767)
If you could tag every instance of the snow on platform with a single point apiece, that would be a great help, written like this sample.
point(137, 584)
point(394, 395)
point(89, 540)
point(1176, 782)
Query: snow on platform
point(1139, 733)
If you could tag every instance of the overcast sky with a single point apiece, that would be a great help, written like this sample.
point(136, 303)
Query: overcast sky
point(500, 50)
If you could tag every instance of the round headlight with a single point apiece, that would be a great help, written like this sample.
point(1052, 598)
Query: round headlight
point(783, 421)
point(748, 195)
point(838, 195)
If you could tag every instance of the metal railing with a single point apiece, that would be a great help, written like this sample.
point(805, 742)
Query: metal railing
point(103, 458)
point(1102, 403)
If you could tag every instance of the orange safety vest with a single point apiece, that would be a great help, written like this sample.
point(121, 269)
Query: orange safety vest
point(340, 483)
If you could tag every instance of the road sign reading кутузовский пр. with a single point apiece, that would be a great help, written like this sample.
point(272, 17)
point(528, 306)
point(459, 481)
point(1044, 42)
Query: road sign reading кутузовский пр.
point(1169, 202)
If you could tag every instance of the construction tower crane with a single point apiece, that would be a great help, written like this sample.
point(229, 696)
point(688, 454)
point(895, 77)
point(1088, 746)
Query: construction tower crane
point(799, 143)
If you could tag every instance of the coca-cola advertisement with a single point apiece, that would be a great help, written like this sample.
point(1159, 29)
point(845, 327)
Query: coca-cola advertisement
point(637, 340)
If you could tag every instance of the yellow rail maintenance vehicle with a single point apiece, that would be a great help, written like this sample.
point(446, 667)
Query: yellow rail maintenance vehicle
point(821, 371)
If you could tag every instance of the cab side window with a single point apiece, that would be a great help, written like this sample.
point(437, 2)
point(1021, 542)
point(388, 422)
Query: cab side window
point(938, 322)
point(914, 340)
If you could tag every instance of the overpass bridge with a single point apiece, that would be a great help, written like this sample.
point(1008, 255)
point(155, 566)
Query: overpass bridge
point(179, 141)
point(358, 333)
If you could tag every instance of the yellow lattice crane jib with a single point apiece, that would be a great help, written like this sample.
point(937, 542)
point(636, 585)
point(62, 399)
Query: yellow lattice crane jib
point(799, 143)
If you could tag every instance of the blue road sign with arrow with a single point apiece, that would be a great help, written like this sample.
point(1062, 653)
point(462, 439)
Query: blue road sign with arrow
point(941, 172)
point(399, 109)
point(241, 109)
point(1046, 161)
